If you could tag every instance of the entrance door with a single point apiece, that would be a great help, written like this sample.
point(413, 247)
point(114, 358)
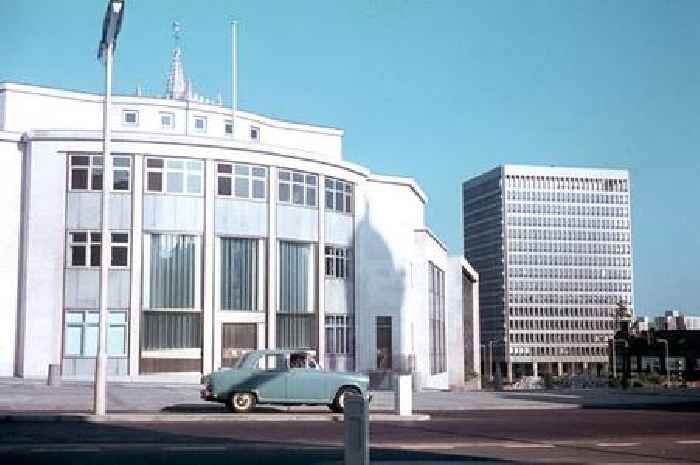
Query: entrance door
point(384, 355)
point(236, 340)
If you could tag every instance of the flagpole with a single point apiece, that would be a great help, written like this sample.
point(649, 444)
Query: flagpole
point(234, 75)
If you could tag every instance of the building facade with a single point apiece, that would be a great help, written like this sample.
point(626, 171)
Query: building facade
point(676, 320)
point(554, 253)
point(227, 233)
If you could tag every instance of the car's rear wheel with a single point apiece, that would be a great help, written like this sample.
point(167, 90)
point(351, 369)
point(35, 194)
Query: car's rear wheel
point(338, 405)
point(242, 402)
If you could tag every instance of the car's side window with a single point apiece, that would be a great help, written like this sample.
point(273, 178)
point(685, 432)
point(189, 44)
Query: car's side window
point(297, 360)
point(275, 362)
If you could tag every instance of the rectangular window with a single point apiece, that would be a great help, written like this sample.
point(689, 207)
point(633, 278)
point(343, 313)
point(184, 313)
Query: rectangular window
point(200, 124)
point(121, 173)
point(340, 334)
point(436, 302)
point(85, 248)
point(172, 271)
point(81, 333)
point(339, 195)
point(384, 352)
point(85, 173)
point(255, 133)
point(167, 120)
point(241, 181)
point(338, 262)
point(296, 300)
point(298, 188)
point(239, 274)
point(174, 175)
point(130, 118)
point(171, 330)
point(119, 248)
point(228, 127)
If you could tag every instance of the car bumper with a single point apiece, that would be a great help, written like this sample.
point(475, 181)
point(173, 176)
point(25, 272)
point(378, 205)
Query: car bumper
point(206, 394)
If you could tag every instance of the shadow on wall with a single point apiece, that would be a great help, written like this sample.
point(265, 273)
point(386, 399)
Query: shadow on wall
point(381, 277)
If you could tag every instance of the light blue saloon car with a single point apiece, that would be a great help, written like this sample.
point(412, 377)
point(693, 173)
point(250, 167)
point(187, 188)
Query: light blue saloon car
point(282, 377)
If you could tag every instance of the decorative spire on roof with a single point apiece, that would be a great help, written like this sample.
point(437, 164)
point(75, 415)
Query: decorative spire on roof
point(177, 87)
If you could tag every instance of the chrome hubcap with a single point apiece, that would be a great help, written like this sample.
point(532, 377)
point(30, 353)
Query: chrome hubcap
point(241, 400)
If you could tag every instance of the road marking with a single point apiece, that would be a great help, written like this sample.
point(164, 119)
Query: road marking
point(194, 448)
point(526, 445)
point(427, 446)
point(617, 444)
point(689, 441)
point(65, 449)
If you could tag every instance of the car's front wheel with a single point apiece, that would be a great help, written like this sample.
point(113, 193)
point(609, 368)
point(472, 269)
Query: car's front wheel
point(242, 402)
point(338, 405)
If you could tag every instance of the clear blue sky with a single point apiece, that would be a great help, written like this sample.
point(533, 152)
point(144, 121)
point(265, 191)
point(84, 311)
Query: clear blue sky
point(439, 91)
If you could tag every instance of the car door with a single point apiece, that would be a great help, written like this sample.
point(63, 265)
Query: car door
point(307, 384)
point(271, 379)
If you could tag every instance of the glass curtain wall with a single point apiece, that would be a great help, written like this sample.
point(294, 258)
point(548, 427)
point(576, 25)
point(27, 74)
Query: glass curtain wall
point(239, 273)
point(296, 299)
point(173, 319)
point(437, 319)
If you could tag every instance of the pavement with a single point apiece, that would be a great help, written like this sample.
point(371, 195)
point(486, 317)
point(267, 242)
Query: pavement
point(22, 396)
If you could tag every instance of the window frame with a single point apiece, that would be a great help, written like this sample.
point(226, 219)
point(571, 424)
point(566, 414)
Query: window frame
point(339, 186)
point(255, 133)
point(165, 169)
point(169, 114)
point(305, 186)
point(333, 255)
point(94, 167)
point(228, 124)
point(232, 176)
point(196, 118)
point(343, 324)
point(86, 323)
point(113, 245)
point(129, 124)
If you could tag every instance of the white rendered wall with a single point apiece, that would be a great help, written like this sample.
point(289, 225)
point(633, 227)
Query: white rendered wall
point(10, 193)
point(39, 342)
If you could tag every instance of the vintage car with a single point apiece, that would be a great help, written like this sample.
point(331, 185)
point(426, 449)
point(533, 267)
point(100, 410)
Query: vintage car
point(283, 377)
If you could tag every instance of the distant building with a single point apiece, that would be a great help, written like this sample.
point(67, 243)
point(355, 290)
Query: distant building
point(553, 248)
point(643, 323)
point(675, 320)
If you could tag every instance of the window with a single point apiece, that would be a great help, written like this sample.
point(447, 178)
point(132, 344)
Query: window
point(239, 274)
point(436, 302)
point(121, 173)
point(172, 271)
point(85, 172)
point(82, 330)
point(296, 299)
point(228, 127)
point(200, 124)
point(338, 262)
point(241, 181)
point(120, 249)
point(297, 188)
point(173, 175)
point(384, 353)
point(130, 118)
point(171, 330)
point(85, 248)
point(255, 133)
point(167, 120)
point(340, 335)
point(338, 195)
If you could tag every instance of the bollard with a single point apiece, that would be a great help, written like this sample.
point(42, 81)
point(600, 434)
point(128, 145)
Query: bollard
point(356, 421)
point(403, 395)
point(54, 378)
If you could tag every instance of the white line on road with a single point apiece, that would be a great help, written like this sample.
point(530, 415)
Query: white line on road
point(617, 444)
point(65, 449)
point(689, 441)
point(194, 448)
point(528, 446)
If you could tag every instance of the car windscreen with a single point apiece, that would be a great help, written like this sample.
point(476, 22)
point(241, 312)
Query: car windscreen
point(248, 360)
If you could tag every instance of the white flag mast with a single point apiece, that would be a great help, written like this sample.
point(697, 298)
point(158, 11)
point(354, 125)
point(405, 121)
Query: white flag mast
point(234, 75)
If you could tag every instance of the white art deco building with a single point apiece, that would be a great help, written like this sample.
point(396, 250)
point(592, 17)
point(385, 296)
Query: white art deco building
point(226, 235)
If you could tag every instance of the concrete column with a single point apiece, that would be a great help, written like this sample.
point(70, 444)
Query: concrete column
point(560, 369)
point(585, 368)
point(208, 271)
point(509, 368)
point(272, 290)
point(321, 269)
point(136, 264)
point(534, 369)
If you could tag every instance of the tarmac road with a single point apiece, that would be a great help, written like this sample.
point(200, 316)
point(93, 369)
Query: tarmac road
point(665, 435)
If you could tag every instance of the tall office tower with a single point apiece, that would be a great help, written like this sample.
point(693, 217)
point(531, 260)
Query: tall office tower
point(553, 249)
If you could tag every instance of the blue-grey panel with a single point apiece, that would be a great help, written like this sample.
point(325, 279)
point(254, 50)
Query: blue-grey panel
point(82, 288)
point(241, 217)
point(173, 213)
point(297, 223)
point(84, 210)
point(118, 290)
point(339, 228)
point(339, 295)
point(85, 366)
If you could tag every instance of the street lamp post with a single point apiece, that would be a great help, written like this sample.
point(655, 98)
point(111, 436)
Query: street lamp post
point(668, 368)
point(110, 29)
point(491, 360)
